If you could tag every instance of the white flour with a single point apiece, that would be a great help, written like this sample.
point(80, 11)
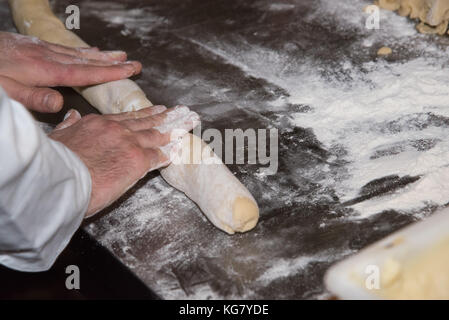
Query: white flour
point(136, 21)
point(383, 106)
point(391, 105)
point(284, 267)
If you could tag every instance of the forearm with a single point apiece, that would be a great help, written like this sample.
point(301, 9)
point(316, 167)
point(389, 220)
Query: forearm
point(44, 192)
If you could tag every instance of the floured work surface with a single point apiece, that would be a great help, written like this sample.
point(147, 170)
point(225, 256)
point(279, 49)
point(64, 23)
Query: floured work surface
point(363, 149)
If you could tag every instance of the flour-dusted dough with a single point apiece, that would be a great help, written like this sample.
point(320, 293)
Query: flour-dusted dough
point(433, 14)
point(219, 194)
point(424, 276)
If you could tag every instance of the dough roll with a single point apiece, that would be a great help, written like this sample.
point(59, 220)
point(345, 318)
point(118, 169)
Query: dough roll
point(220, 195)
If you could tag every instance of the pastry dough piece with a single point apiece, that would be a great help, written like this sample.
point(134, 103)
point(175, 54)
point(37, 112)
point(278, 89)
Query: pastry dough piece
point(433, 14)
point(384, 51)
point(425, 28)
point(218, 193)
point(424, 276)
point(389, 4)
point(438, 13)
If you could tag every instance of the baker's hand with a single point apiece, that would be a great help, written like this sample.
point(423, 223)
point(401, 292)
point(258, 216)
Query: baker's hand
point(28, 66)
point(120, 149)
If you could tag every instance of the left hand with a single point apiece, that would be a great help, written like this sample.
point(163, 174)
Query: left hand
point(29, 65)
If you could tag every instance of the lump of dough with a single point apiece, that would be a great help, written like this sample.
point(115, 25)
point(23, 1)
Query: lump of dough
point(438, 13)
point(425, 28)
point(392, 5)
point(384, 51)
point(433, 14)
point(422, 276)
point(391, 271)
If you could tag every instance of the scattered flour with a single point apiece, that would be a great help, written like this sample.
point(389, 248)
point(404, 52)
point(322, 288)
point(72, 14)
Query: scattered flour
point(287, 267)
point(280, 6)
point(391, 105)
point(384, 105)
point(134, 21)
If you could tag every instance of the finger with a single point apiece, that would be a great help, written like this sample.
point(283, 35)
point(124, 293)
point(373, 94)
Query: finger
point(180, 126)
point(37, 99)
point(113, 55)
point(72, 59)
point(151, 138)
point(70, 118)
point(155, 158)
point(82, 75)
point(142, 113)
point(157, 120)
point(173, 151)
point(89, 53)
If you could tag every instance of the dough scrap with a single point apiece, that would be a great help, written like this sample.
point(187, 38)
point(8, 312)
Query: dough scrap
point(423, 276)
point(433, 14)
point(384, 51)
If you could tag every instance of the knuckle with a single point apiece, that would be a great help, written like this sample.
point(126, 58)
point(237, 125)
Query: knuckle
point(62, 74)
point(91, 116)
point(136, 154)
point(93, 122)
point(114, 127)
point(158, 136)
point(93, 119)
point(33, 96)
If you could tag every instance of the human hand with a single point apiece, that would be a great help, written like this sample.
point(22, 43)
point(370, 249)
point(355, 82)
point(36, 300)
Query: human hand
point(120, 149)
point(28, 66)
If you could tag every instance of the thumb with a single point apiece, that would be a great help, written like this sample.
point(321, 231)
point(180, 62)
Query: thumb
point(70, 118)
point(37, 99)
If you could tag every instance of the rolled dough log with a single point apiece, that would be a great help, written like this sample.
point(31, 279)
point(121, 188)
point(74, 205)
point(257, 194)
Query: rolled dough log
point(218, 193)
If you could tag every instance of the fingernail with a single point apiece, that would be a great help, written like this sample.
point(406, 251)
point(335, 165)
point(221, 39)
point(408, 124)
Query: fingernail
point(70, 112)
point(129, 68)
point(67, 115)
point(159, 108)
point(115, 53)
point(52, 101)
point(82, 49)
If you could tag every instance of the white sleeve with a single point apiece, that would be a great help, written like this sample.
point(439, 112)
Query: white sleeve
point(44, 191)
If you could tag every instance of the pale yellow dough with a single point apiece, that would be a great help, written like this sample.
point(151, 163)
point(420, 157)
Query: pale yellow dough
point(423, 276)
point(219, 194)
point(433, 14)
point(384, 51)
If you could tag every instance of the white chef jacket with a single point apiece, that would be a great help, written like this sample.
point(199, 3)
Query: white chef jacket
point(44, 191)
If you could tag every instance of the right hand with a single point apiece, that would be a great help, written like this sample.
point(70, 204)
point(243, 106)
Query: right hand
point(119, 149)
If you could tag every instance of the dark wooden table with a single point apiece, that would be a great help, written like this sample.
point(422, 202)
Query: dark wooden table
point(210, 55)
